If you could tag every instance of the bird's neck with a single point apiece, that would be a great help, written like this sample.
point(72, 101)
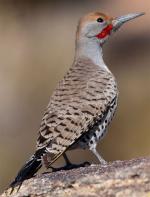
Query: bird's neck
point(91, 49)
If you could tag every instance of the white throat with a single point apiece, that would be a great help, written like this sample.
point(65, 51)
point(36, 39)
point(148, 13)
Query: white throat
point(90, 48)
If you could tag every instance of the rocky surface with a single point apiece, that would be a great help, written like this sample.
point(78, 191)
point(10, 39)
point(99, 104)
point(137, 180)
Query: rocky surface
point(120, 178)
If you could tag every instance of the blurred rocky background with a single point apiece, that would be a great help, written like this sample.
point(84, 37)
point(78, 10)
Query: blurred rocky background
point(37, 47)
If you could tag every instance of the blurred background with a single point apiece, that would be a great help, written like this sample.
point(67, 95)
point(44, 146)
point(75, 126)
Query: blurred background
point(36, 49)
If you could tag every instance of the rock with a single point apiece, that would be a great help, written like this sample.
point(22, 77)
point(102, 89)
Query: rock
point(119, 178)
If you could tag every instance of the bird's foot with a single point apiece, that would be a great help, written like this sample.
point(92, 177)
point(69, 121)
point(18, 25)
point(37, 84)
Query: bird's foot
point(70, 166)
point(104, 163)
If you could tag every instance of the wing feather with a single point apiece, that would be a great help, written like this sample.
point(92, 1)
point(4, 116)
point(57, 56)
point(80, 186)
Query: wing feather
point(80, 98)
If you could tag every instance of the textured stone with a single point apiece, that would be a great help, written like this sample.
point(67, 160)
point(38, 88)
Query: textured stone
point(119, 178)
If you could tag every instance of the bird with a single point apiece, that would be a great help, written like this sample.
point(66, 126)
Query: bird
point(84, 101)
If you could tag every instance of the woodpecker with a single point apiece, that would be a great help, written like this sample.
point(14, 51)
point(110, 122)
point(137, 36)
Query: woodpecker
point(84, 101)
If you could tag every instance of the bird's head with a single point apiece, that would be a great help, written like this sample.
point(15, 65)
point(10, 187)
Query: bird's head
point(98, 26)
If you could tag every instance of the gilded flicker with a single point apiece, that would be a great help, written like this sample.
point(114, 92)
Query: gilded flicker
point(84, 101)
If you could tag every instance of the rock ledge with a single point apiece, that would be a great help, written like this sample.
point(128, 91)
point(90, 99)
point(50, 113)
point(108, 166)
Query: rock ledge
point(119, 178)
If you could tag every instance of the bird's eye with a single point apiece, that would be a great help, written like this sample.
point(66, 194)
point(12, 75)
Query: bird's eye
point(100, 20)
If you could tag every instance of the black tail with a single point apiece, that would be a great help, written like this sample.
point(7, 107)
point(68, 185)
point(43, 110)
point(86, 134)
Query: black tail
point(28, 170)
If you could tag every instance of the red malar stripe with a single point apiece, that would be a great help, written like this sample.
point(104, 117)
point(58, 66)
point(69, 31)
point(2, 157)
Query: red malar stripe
point(106, 31)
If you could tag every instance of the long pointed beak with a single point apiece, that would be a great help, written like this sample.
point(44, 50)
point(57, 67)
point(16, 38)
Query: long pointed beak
point(119, 21)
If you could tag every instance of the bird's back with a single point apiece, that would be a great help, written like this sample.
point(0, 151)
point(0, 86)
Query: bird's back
point(79, 99)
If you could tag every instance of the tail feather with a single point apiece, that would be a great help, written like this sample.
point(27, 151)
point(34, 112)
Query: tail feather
point(28, 170)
